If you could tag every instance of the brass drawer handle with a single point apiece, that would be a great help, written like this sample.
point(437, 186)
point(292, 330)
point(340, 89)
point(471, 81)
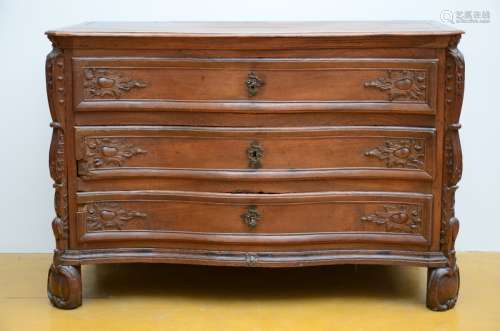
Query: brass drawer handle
point(255, 153)
point(251, 216)
point(253, 83)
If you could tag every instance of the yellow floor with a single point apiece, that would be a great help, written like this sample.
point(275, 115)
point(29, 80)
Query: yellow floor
point(166, 297)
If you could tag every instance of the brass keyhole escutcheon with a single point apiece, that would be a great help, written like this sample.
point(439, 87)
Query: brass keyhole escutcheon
point(251, 216)
point(253, 84)
point(255, 153)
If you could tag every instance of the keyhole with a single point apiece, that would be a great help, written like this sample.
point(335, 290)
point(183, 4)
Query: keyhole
point(254, 154)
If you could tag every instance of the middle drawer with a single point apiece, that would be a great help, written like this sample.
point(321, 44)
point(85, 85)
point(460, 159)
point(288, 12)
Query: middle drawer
point(114, 152)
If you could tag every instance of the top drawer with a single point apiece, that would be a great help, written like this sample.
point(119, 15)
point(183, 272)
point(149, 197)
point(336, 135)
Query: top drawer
point(403, 84)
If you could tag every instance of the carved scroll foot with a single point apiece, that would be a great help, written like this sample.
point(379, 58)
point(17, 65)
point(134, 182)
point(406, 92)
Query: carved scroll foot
point(64, 286)
point(442, 288)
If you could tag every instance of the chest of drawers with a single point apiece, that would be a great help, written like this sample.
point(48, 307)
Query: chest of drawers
point(255, 144)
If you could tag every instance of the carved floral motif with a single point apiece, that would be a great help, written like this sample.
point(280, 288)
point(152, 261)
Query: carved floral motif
point(404, 153)
point(107, 152)
point(406, 85)
point(397, 218)
point(105, 82)
point(103, 216)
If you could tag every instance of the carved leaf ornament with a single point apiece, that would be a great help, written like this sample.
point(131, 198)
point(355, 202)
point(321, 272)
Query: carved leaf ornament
point(105, 82)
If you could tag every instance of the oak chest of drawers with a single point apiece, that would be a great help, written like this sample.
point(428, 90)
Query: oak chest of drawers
point(255, 144)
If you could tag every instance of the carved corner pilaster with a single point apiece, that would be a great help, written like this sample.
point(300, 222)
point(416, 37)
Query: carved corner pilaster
point(443, 283)
point(454, 92)
point(54, 70)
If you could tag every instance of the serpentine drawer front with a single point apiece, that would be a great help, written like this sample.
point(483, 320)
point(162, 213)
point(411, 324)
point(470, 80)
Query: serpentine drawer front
point(257, 80)
point(137, 149)
point(255, 144)
point(262, 220)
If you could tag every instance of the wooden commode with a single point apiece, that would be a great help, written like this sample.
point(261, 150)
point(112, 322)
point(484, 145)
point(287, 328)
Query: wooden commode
point(255, 144)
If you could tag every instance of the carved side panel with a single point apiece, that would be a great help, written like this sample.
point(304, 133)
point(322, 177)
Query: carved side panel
point(56, 97)
point(455, 71)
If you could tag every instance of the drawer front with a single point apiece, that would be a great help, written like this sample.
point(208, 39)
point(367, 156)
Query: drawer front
point(157, 151)
point(258, 219)
point(197, 83)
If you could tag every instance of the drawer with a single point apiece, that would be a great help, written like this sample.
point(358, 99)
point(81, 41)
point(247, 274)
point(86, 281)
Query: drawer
point(254, 84)
point(113, 152)
point(255, 218)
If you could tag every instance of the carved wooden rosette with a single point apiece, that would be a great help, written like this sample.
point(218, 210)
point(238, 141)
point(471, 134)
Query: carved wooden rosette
point(55, 92)
point(443, 283)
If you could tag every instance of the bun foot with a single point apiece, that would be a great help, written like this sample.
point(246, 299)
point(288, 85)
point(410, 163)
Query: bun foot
point(442, 288)
point(64, 286)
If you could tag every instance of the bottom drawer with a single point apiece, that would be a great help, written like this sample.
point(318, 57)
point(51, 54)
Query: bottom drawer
point(255, 219)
